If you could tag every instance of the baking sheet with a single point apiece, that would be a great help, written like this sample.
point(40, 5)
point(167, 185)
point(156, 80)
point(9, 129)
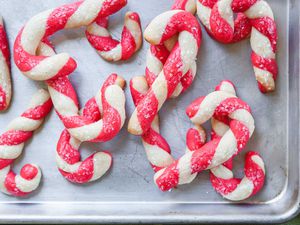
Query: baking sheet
point(127, 193)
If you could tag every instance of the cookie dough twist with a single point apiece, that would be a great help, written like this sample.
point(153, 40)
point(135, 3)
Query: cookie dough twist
point(255, 15)
point(44, 24)
point(156, 147)
point(222, 178)
point(68, 156)
point(218, 150)
point(12, 143)
point(110, 49)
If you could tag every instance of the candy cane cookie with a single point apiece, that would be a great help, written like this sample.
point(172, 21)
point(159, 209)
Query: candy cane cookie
point(180, 60)
point(156, 147)
point(44, 24)
point(68, 156)
point(219, 104)
point(12, 143)
point(5, 82)
point(222, 178)
point(217, 17)
point(67, 151)
point(111, 49)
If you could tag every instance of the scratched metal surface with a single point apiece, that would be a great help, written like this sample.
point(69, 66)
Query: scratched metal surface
point(127, 193)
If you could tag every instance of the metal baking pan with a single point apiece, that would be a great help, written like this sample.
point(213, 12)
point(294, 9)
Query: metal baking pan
point(127, 193)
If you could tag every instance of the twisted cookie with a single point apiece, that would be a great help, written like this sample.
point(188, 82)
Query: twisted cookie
point(12, 143)
point(221, 177)
point(96, 165)
point(111, 49)
point(219, 149)
point(252, 15)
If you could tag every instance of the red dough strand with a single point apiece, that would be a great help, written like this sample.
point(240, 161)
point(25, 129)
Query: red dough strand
point(111, 49)
point(12, 142)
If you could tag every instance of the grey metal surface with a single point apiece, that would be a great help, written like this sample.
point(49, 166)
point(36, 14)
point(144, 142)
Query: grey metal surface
point(127, 193)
